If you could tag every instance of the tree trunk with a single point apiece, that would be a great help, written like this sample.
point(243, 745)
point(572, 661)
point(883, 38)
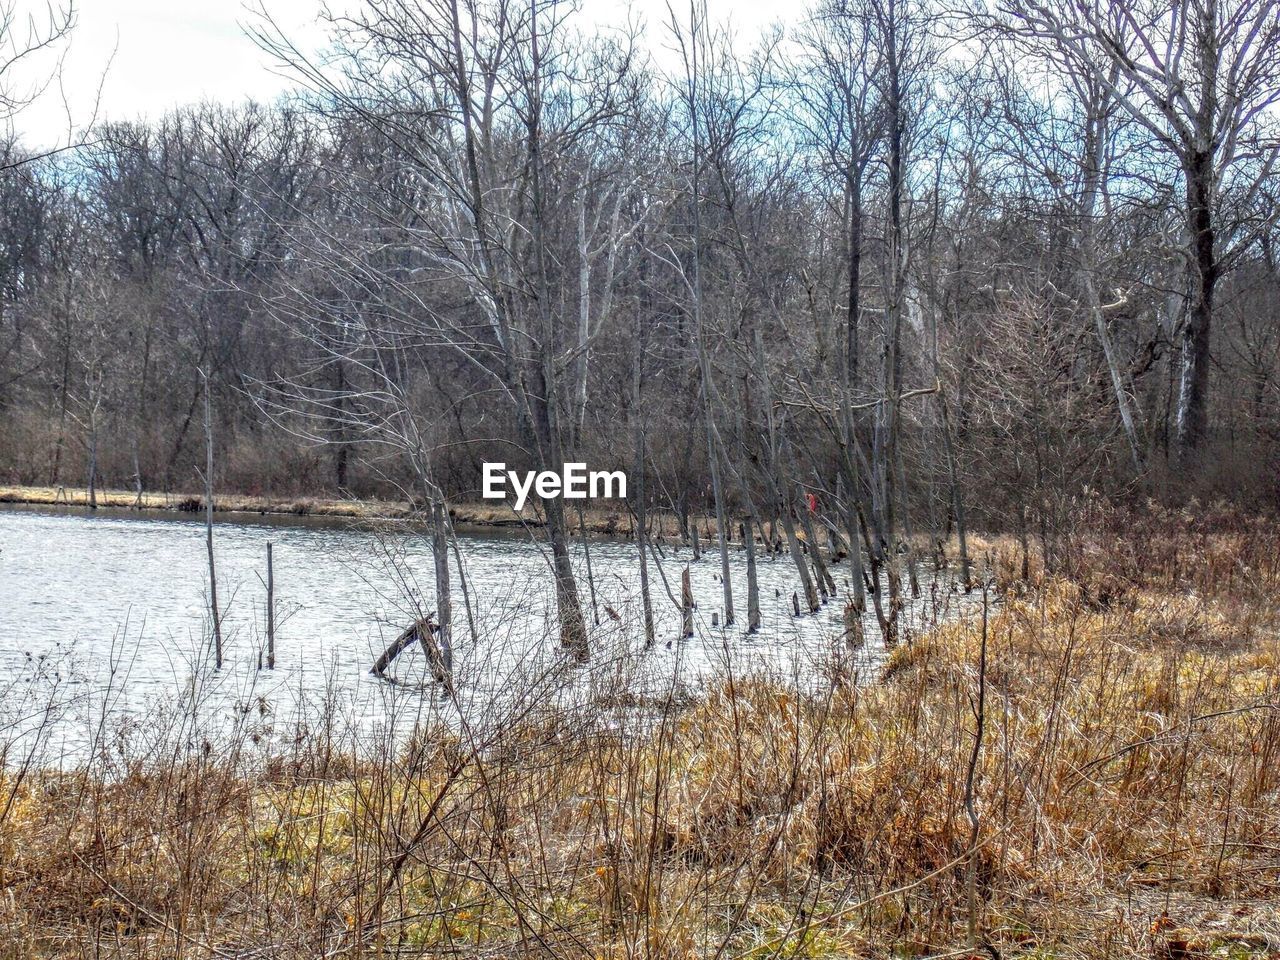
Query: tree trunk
point(546, 401)
point(753, 583)
point(208, 525)
point(686, 604)
point(420, 633)
point(957, 498)
point(271, 610)
point(444, 596)
point(586, 552)
point(637, 485)
point(573, 627)
point(1193, 391)
point(1094, 158)
point(908, 530)
point(826, 585)
point(91, 480)
point(797, 557)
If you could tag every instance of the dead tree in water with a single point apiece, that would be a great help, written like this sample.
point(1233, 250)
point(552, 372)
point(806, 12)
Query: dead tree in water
point(586, 552)
point(753, 583)
point(693, 47)
point(425, 633)
point(788, 507)
point(686, 604)
point(637, 484)
point(462, 579)
point(444, 596)
point(271, 611)
point(900, 29)
point(208, 524)
point(838, 93)
point(781, 458)
point(826, 584)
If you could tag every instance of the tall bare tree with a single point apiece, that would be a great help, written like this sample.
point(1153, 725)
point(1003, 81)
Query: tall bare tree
point(1201, 77)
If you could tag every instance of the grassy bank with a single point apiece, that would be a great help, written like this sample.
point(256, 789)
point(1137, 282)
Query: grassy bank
point(1126, 790)
point(597, 521)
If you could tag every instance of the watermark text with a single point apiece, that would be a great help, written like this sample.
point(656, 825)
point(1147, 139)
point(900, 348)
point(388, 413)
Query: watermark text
point(574, 482)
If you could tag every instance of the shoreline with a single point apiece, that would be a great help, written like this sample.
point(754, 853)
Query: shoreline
point(614, 524)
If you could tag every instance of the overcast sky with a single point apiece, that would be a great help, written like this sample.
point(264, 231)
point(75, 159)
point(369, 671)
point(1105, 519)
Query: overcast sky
point(150, 55)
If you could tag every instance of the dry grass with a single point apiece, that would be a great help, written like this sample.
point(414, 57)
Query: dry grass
point(223, 503)
point(1128, 789)
point(598, 520)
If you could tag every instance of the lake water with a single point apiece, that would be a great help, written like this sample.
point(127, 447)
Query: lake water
point(105, 639)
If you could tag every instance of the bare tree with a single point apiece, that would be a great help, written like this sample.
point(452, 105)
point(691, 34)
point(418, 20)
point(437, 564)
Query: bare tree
point(493, 104)
point(694, 44)
point(838, 89)
point(1201, 77)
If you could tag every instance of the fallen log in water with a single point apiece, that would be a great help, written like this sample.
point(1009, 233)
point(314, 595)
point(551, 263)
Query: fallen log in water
point(424, 633)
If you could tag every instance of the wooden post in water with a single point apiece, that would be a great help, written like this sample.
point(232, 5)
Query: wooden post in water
point(686, 604)
point(271, 612)
point(753, 583)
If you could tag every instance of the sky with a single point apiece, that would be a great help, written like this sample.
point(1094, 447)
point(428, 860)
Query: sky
point(135, 59)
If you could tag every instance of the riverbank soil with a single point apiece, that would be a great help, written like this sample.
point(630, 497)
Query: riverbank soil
point(1108, 786)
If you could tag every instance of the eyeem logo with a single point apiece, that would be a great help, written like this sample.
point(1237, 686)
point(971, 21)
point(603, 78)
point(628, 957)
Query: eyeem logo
point(574, 483)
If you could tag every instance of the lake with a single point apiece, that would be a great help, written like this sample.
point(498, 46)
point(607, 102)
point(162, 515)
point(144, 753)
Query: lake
point(105, 639)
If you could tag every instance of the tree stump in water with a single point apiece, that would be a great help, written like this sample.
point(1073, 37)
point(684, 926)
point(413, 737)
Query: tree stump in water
point(853, 635)
point(686, 604)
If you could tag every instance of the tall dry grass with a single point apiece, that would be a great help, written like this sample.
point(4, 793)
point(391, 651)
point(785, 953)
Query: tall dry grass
point(1126, 788)
point(595, 520)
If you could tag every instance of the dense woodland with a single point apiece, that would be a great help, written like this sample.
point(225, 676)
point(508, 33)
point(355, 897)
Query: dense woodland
point(919, 262)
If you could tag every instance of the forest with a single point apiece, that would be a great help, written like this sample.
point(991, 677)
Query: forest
point(1025, 247)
